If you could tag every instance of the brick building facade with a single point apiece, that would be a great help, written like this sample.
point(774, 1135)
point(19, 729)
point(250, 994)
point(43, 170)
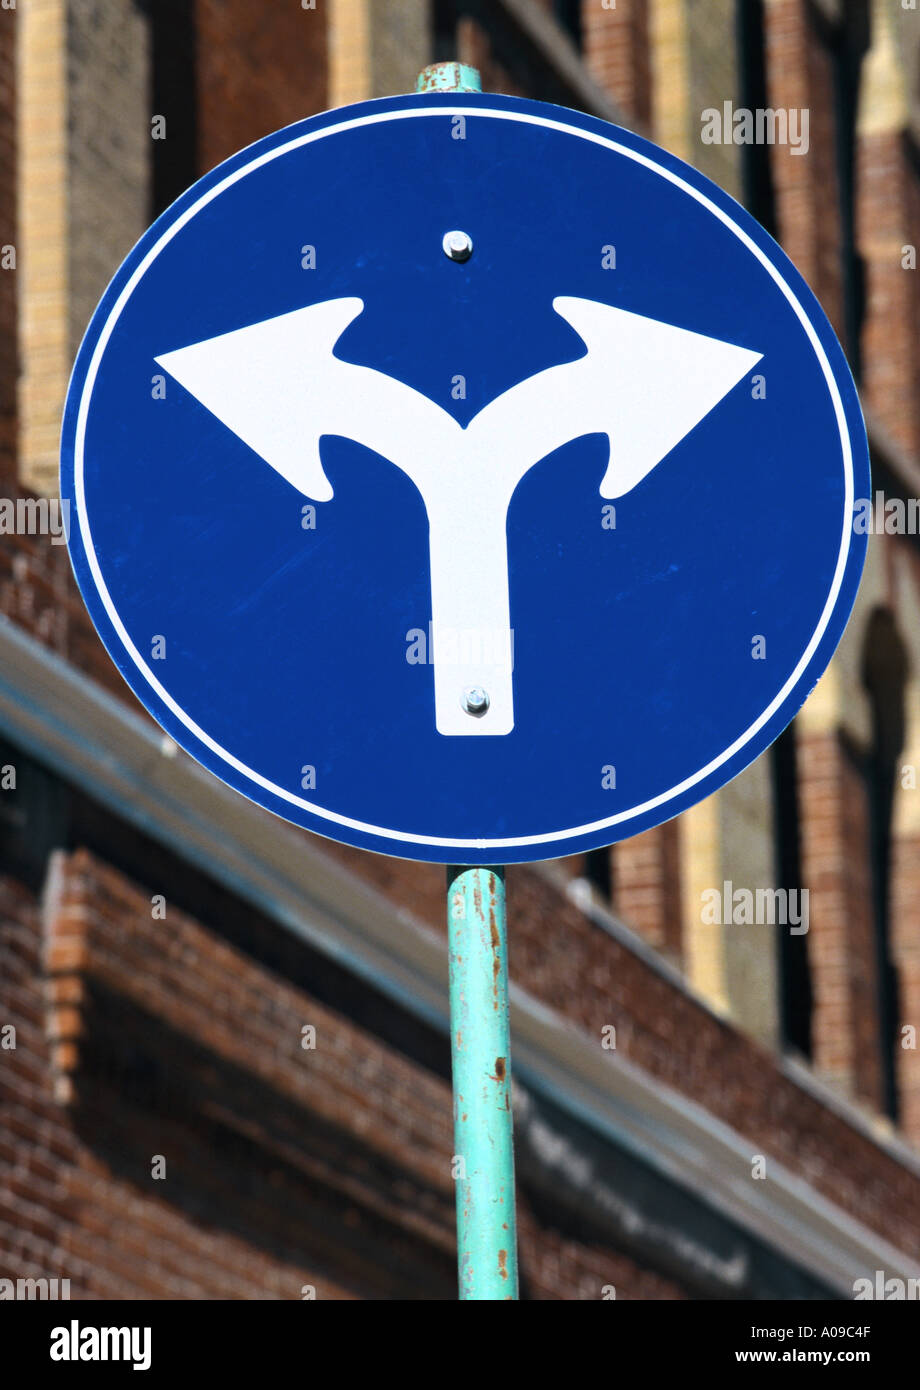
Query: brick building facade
point(166, 948)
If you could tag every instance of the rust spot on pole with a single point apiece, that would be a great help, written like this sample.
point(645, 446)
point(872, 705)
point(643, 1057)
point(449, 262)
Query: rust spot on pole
point(496, 954)
point(503, 1263)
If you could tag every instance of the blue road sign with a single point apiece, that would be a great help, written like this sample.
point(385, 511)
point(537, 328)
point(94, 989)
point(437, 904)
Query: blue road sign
point(464, 478)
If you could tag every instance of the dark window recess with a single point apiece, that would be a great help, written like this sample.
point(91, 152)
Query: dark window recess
point(884, 674)
point(756, 176)
point(795, 994)
point(599, 872)
point(568, 15)
point(173, 94)
point(33, 818)
point(444, 28)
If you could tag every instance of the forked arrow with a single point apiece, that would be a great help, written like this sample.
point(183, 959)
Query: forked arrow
point(642, 383)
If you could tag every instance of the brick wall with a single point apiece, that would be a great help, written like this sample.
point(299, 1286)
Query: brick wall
point(39, 594)
point(616, 50)
point(647, 891)
point(889, 220)
point(592, 979)
point(799, 75)
point(109, 147)
point(139, 1037)
point(33, 573)
point(254, 76)
point(837, 871)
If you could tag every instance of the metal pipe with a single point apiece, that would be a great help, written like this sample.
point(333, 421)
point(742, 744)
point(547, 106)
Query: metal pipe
point(481, 1064)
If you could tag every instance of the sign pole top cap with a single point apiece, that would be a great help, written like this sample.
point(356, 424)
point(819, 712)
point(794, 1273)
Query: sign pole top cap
point(449, 77)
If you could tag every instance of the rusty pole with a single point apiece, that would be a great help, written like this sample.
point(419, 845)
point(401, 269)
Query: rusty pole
point(479, 1042)
point(479, 1031)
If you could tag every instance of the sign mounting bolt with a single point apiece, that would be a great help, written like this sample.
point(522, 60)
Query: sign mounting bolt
point(475, 701)
point(458, 246)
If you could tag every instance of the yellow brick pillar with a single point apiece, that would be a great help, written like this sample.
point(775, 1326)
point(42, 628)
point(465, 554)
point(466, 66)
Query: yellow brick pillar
point(83, 77)
point(44, 329)
point(376, 47)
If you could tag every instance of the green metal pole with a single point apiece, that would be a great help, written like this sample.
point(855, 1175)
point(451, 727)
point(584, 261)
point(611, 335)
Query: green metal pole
point(479, 1041)
point(479, 1032)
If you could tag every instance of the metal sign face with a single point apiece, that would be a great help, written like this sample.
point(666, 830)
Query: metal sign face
point(464, 478)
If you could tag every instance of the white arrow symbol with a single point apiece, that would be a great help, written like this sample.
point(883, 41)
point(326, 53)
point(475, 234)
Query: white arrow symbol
point(643, 383)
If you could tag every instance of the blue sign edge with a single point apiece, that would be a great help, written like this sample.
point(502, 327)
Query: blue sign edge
point(393, 846)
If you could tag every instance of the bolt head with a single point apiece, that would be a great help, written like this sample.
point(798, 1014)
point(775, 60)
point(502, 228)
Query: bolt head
point(475, 701)
point(458, 246)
